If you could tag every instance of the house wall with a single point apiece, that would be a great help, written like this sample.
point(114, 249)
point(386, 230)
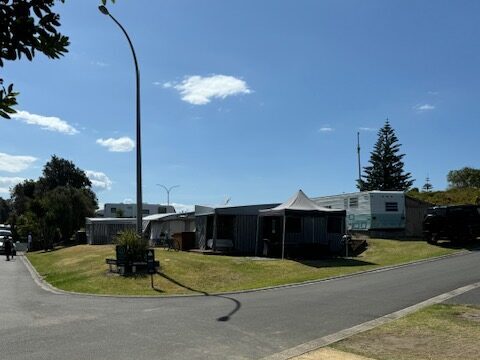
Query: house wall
point(130, 210)
point(245, 234)
point(415, 212)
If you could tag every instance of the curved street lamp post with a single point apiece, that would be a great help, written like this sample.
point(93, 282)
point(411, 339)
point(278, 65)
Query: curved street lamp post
point(168, 191)
point(105, 11)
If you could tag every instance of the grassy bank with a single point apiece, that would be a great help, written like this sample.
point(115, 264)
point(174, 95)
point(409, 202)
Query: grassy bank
point(438, 332)
point(83, 269)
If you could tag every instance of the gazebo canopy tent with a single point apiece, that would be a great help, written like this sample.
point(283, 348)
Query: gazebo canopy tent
point(295, 214)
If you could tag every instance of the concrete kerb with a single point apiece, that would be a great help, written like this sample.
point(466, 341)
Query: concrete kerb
point(50, 288)
point(343, 334)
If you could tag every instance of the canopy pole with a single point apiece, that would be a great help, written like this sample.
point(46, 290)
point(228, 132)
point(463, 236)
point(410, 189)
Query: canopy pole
point(256, 238)
point(283, 236)
point(313, 230)
point(214, 237)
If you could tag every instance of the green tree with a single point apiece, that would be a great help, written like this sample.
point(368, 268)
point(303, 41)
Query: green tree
point(385, 171)
point(66, 209)
point(28, 27)
point(21, 195)
point(57, 203)
point(428, 185)
point(5, 210)
point(60, 172)
point(463, 178)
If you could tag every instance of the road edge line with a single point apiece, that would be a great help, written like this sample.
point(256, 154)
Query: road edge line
point(343, 334)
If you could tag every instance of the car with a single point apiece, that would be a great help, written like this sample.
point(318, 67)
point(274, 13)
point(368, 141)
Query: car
point(4, 235)
point(457, 223)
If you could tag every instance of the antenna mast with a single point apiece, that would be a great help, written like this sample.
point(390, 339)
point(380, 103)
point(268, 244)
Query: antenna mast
point(358, 154)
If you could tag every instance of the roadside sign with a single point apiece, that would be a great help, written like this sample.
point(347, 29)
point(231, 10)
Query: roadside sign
point(151, 261)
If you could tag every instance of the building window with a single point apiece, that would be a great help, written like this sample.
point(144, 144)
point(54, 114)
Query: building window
point(146, 212)
point(345, 203)
point(113, 210)
point(353, 202)
point(162, 209)
point(391, 206)
point(293, 225)
point(274, 226)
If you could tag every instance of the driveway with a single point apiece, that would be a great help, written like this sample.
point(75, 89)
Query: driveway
point(36, 324)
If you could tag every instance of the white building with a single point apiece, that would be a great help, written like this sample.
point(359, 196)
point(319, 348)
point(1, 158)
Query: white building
point(112, 210)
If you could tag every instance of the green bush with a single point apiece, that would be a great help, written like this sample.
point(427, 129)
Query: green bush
point(135, 246)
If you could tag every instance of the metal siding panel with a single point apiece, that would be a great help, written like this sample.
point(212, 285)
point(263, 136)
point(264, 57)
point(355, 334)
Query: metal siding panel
point(245, 233)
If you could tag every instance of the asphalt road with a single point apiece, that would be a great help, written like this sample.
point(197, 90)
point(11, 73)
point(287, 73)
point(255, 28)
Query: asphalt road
point(36, 324)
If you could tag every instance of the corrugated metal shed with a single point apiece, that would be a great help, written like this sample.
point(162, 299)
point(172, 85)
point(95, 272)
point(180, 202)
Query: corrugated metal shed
point(101, 231)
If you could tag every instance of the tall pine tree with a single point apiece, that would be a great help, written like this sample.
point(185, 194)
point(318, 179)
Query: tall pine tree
point(385, 171)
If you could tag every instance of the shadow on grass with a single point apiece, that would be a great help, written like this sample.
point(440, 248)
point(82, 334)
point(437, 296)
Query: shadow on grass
point(334, 262)
point(226, 317)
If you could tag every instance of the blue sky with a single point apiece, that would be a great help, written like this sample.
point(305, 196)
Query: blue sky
point(250, 100)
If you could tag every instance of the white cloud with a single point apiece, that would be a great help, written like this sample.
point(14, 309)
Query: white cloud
point(128, 201)
point(180, 208)
point(50, 123)
point(8, 182)
point(424, 107)
point(100, 180)
point(367, 129)
point(14, 164)
point(99, 63)
point(326, 129)
point(168, 85)
point(198, 90)
point(122, 144)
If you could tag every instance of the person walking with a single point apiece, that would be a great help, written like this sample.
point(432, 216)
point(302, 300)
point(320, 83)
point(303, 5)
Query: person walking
point(8, 248)
point(29, 241)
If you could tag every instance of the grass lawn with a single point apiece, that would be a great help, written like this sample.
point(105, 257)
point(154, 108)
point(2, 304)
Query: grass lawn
point(437, 332)
point(82, 268)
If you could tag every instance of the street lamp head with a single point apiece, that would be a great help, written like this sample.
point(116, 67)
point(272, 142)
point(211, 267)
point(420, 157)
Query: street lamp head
point(103, 10)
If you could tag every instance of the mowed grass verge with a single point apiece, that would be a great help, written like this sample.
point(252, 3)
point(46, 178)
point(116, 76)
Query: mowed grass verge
point(447, 332)
point(82, 269)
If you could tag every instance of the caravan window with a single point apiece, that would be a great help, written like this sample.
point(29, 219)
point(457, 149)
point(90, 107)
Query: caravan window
point(391, 206)
point(353, 202)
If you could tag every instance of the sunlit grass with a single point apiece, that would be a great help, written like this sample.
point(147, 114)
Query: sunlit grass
point(82, 269)
point(446, 332)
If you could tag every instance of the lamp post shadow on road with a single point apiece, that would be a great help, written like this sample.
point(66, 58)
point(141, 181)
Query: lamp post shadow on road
point(105, 11)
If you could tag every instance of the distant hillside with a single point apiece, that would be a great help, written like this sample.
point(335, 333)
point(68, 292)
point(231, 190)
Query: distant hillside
point(449, 197)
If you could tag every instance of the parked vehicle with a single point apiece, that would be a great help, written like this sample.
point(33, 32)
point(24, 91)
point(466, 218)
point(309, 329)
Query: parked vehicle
point(456, 223)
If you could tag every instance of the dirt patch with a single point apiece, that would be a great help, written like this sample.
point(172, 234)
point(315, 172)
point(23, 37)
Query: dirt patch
point(471, 316)
point(330, 354)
